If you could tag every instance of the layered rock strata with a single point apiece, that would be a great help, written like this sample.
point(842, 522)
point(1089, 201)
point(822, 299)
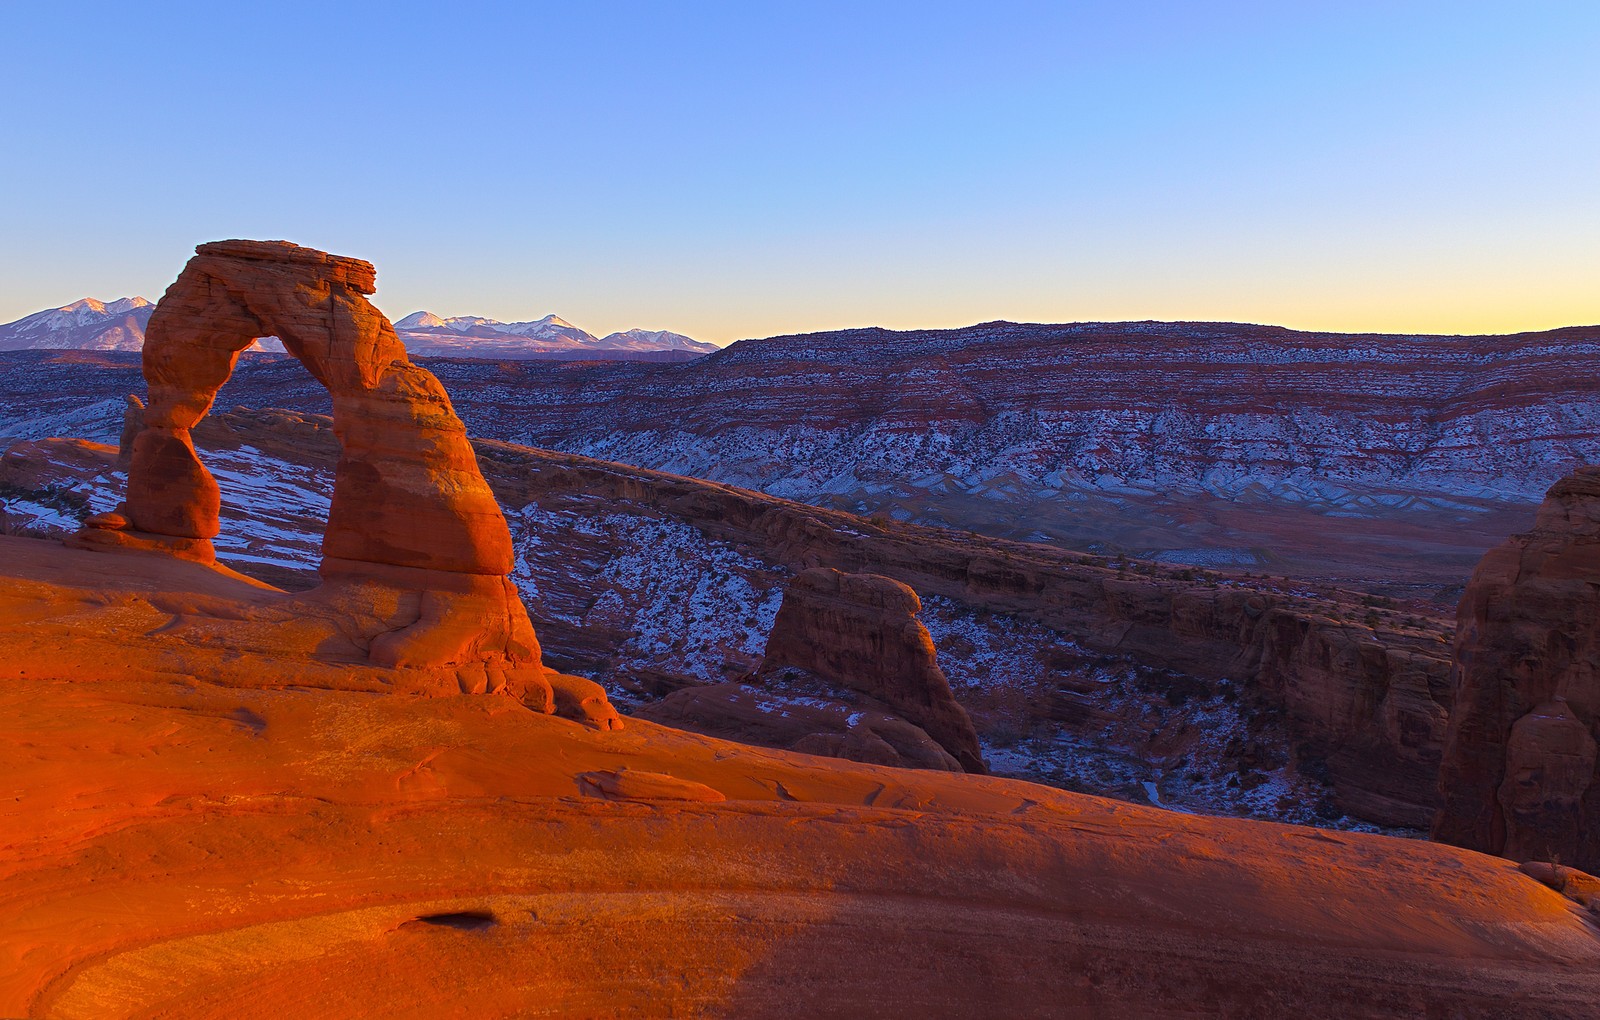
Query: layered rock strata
point(1363, 687)
point(1519, 770)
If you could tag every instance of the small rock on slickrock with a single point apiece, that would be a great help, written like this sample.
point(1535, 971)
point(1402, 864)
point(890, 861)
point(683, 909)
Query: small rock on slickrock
point(861, 631)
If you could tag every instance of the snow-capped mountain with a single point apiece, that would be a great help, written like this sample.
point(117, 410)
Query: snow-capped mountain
point(119, 326)
point(427, 334)
point(95, 325)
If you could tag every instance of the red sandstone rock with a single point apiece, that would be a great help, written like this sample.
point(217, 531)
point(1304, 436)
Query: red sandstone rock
point(1579, 886)
point(34, 464)
point(861, 631)
point(197, 824)
point(132, 425)
point(635, 784)
point(1518, 776)
point(408, 491)
point(416, 550)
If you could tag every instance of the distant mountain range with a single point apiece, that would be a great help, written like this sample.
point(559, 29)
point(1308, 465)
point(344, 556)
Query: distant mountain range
point(88, 324)
point(472, 336)
point(119, 326)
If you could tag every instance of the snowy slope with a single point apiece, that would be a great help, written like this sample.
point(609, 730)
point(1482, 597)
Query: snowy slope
point(87, 324)
point(119, 325)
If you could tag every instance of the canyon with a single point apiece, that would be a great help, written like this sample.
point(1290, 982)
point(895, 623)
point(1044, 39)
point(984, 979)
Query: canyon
point(1384, 463)
point(1262, 696)
point(355, 687)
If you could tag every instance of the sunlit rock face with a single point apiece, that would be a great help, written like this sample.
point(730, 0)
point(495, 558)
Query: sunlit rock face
point(204, 825)
point(416, 552)
point(1518, 777)
point(407, 491)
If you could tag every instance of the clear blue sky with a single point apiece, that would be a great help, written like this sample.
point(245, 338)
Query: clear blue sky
point(743, 169)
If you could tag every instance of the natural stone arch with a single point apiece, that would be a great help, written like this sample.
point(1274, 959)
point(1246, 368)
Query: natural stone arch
point(416, 548)
point(407, 489)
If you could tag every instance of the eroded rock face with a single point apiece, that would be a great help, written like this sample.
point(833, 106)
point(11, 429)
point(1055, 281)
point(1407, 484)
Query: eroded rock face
point(861, 631)
point(416, 552)
point(1518, 777)
point(200, 829)
point(408, 491)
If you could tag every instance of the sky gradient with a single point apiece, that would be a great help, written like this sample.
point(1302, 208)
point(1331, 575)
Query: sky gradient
point(733, 170)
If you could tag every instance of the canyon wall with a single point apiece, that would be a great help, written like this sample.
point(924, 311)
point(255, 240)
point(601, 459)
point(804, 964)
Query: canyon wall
point(678, 581)
point(1519, 774)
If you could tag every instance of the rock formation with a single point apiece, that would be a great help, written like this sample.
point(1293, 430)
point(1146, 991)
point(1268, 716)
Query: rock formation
point(132, 425)
point(861, 631)
point(416, 552)
point(793, 710)
point(1361, 688)
point(194, 828)
point(849, 672)
point(1518, 776)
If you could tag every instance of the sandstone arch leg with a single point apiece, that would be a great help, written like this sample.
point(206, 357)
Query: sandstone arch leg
point(416, 551)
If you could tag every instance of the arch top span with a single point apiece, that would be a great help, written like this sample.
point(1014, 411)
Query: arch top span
point(359, 274)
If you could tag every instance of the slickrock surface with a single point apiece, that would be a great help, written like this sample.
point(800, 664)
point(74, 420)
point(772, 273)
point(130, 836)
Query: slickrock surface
point(189, 828)
point(861, 631)
point(798, 711)
point(1519, 775)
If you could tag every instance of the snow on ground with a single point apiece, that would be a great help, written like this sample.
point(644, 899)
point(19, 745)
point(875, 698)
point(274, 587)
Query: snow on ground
point(273, 513)
point(681, 603)
point(1050, 711)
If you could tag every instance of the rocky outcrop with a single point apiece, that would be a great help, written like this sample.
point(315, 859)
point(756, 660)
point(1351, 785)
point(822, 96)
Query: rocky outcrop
point(198, 830)
point(1362, 685)
point(849, 672)
point(132, 425)
point(1518, 777)
point(861, 631)
point(416, 552)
